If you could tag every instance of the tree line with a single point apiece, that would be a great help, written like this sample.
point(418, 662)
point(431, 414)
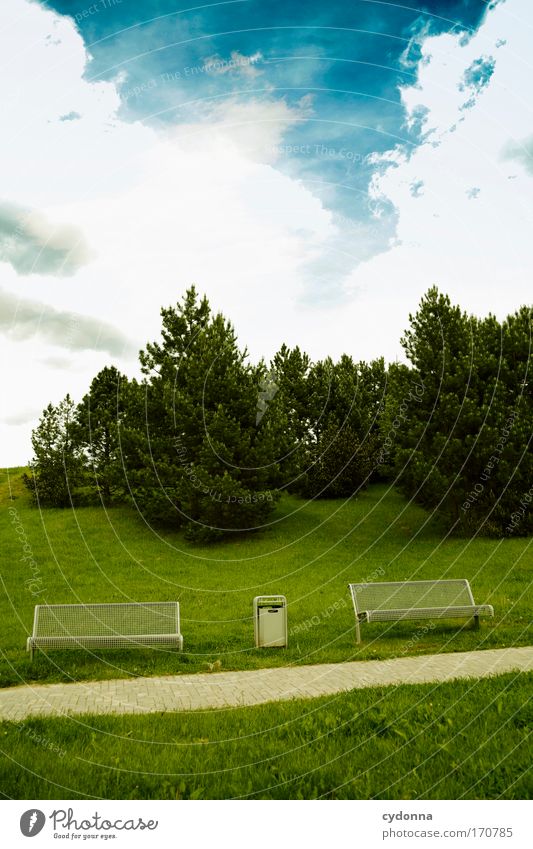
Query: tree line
point(207, 441)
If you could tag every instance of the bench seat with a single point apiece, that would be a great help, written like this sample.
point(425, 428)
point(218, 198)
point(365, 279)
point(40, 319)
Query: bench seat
point(459, 612)
point(394, 601)
point(113, 626)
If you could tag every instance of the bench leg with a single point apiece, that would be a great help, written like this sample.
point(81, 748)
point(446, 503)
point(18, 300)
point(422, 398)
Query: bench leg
point(475, 622)
point(29, 647)
point(357, 631)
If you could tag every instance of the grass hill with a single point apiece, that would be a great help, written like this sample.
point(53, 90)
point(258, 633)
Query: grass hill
point(310, 552)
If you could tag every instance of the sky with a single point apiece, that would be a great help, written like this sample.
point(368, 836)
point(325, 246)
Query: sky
point(313, 168)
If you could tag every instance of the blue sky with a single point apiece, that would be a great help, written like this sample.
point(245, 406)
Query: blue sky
point(313, 168)
point(346, 59)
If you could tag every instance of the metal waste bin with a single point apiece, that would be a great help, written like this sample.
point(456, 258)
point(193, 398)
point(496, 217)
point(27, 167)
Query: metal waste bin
point(270, 621)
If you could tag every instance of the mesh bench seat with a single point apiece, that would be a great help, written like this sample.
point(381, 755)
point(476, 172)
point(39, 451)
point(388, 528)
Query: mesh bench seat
point(113, 626)
point(393, 601)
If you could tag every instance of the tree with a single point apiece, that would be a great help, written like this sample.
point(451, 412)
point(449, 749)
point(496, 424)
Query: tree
point(98, 419)
point(403, 393)
point(200, 458)
point(464, 450)
point(346, 401)
point(287, 397)
point(56, 470)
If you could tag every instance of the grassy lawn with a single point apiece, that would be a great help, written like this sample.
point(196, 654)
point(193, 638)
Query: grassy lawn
point(309, 553)
point(466, 739)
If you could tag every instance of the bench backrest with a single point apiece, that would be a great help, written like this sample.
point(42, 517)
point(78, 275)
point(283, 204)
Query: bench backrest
point(401, 595)
point(96, 620)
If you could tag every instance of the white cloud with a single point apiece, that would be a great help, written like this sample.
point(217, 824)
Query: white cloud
point(22, 319)
point(44, 160)
point(20, 416)
point(203, 203)
point(469, 230)
point(238, 63)
point(198, 203)
point(253, 128)
point(32, 244)
point(521, 151)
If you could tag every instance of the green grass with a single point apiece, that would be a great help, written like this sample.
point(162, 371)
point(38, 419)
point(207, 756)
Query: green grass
point(309, 553)
point(465, 739)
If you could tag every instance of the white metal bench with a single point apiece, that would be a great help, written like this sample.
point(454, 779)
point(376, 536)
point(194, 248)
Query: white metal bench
point(113, 626)
point(394, 601)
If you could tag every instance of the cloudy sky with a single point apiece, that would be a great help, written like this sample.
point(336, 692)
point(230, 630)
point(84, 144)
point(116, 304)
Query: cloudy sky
point(313, 167)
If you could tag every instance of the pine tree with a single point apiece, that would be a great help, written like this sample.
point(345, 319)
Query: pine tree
point(98, 418)
point(291, 405)
point(466, 449)
point(57, 468)
point(200, 458)
point(347, 401)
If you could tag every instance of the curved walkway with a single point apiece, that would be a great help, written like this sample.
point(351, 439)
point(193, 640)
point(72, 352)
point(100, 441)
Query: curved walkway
point(236, 689)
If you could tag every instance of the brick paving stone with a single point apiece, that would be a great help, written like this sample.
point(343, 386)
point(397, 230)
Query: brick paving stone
point(224, 690)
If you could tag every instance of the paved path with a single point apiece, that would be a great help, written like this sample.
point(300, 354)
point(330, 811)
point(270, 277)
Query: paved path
point(236, 689)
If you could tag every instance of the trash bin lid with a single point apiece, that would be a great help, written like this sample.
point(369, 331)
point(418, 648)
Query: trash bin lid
point(270, 601)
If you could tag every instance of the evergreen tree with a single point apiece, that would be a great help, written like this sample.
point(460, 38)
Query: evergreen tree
point(289, 372)
point(201, 458)
point(206, 440)
point(98, 417)
point(403, 394)
point(466, 451)
point(57, 468)
point(346, 401)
